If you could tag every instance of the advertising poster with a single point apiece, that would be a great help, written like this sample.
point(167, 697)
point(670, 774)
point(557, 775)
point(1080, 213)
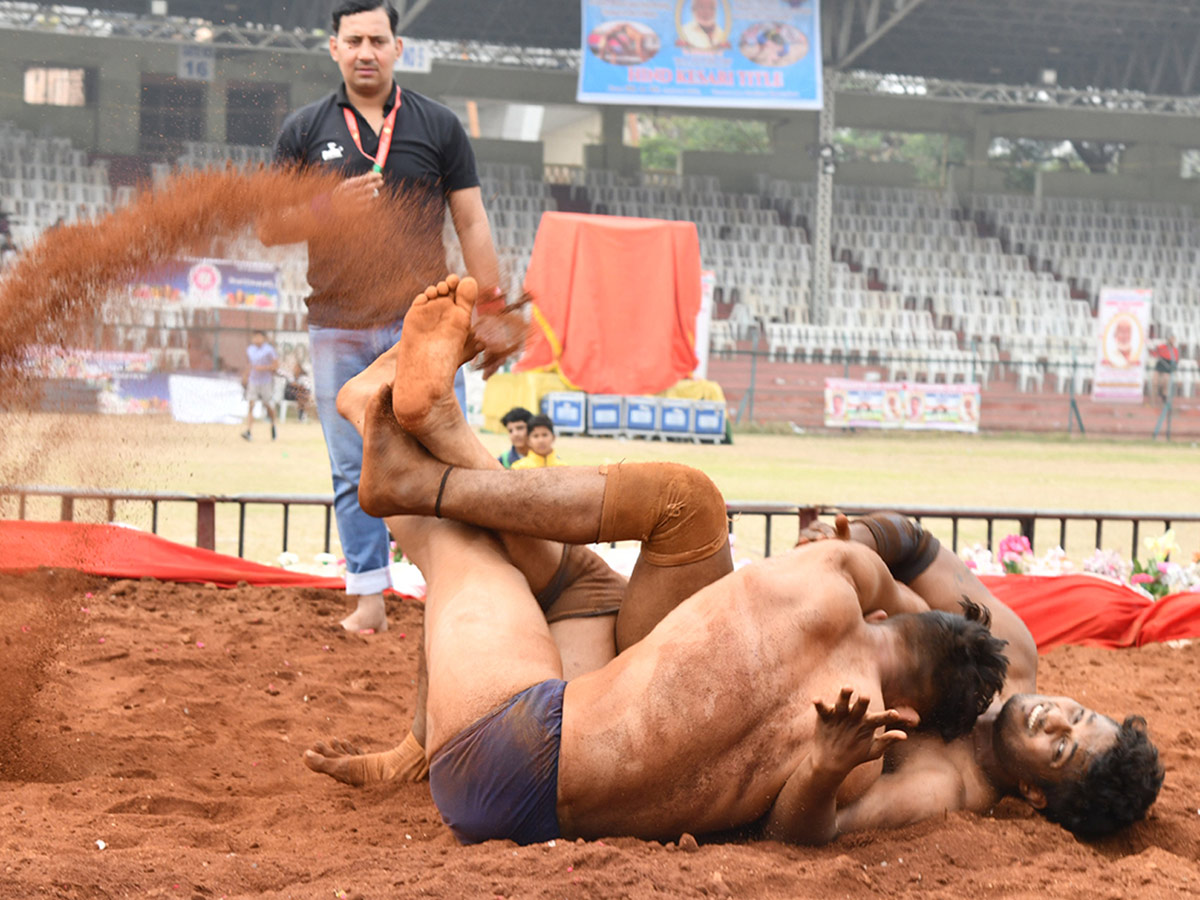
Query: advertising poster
point(912, 405)
point(942, 407)
point(1122, 323)
point(732, 54)
point(208, 283)
point(863, 404)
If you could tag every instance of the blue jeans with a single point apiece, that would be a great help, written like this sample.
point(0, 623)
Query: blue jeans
point(338, 354)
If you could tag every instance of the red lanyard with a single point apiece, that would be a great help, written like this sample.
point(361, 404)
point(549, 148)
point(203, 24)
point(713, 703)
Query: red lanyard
point(385, 136)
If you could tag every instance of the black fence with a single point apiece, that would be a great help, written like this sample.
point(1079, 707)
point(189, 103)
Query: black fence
point(944, 521)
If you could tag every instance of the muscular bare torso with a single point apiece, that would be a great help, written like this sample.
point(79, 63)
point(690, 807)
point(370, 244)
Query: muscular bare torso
point(698, 727)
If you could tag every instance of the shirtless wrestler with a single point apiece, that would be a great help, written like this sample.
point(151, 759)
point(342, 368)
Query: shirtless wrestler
point(710, 721)
point(1075, 766)
point(1089, 797)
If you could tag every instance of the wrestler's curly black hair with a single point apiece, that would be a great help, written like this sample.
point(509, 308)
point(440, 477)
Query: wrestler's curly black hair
point(968, 667)
point(1116, 789)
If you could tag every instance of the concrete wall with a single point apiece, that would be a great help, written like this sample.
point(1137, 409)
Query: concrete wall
point(111, 125)
point(564, 146)
point(522, 153)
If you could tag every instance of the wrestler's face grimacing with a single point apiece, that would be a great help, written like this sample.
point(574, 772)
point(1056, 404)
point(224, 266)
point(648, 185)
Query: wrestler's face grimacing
point(1042, 739)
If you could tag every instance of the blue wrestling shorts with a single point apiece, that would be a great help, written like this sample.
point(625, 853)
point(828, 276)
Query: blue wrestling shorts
point(497, 779)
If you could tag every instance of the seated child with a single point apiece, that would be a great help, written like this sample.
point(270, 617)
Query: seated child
point(516, 420)
point(541, 445)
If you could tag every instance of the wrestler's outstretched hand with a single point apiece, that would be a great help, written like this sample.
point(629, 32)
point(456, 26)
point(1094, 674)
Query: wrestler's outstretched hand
point(823, 531)
point(846, 735)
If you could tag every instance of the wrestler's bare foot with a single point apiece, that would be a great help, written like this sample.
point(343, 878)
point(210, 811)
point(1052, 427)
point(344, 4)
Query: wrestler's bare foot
point(398, 475)
point(356, 394)
point(346, 763)
point(436, 330)
point(369, 615)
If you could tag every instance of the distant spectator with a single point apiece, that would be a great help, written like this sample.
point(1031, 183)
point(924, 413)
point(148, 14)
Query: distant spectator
point(260, 379)
point(299, 387)
point(541, 446)
point(8, 251)
point(516, 420)
point(1166, 361)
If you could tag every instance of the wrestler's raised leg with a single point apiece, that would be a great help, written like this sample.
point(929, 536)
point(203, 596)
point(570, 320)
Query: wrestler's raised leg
point(422, 365)
point(675, 511)
point(435, 325)
point(486, 638)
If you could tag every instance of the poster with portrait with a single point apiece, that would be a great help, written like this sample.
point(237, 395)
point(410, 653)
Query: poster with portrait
point(731, 54)
point(911, 405)
point(941, 407)
point(1122, 323)
point(850, 403)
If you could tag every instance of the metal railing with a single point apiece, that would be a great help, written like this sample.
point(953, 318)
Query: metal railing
point(1025, 520)
point(770, 513)
point(205, 504)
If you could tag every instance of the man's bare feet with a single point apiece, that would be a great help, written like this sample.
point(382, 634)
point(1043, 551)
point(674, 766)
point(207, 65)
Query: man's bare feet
point(346, 763)
point(436, 335)
point(398, 476)
point(370, 615)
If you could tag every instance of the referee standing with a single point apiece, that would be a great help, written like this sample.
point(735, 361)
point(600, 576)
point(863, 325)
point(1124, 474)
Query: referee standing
point(381, 138)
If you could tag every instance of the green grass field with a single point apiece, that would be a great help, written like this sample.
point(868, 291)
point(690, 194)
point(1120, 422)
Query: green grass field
point(157, 454)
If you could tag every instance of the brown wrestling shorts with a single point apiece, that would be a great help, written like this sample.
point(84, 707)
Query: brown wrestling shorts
point(583, 586)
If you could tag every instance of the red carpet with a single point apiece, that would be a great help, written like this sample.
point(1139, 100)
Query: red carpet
point(1071, 609)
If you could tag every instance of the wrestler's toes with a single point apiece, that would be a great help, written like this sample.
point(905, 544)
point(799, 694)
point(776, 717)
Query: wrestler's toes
point(346, 748)
point(316, 761)
point(452, 281)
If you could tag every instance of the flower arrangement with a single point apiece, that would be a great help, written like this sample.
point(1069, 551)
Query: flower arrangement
point(1155, 576)
point(1016, 554)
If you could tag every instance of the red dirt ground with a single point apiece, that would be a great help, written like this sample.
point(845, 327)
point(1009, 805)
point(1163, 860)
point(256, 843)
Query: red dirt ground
point(168, 722)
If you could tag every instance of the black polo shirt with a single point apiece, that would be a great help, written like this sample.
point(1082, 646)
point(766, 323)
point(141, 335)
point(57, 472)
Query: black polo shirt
point(430, 158)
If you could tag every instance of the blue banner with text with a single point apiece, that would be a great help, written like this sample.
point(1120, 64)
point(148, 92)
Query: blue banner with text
point(726, 54)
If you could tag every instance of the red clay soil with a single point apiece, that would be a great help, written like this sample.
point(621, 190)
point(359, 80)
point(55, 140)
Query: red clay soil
point(167, 721)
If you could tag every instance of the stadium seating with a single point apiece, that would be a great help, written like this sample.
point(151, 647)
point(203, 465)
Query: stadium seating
point(43, 180)
point(925, 285)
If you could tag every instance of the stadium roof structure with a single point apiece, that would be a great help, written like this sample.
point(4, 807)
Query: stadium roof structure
point(1148, 46)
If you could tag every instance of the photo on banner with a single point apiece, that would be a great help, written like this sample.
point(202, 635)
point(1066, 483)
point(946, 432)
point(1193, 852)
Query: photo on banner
point(911, 405)
point(1122, 331)
point(731, 54)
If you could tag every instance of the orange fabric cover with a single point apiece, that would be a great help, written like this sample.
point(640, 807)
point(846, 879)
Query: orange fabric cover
point(615, 302)
point(118, 552)
point(1092, 612)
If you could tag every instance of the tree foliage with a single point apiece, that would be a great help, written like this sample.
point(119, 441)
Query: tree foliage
point(664, 138)
point(929, 154)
